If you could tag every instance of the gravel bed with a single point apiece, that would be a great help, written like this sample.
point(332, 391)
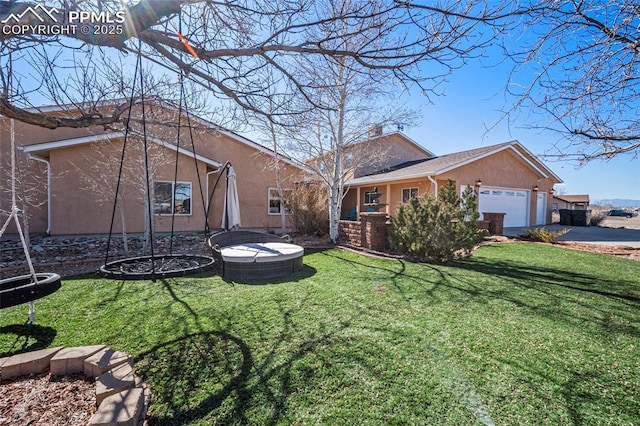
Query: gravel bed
point(69, 256)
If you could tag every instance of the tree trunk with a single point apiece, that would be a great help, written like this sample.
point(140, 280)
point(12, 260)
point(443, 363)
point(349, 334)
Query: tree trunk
point(125, 238)
point(334, 213)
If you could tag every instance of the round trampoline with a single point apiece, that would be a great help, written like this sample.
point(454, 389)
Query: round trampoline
point(24, 289)
point(152, 267)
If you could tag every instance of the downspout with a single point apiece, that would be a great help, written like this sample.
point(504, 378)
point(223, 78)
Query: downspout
point(435, 184)
point(48, 164)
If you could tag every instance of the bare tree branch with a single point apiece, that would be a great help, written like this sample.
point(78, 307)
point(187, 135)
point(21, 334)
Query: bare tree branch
point(583, 56)
point(234, 41)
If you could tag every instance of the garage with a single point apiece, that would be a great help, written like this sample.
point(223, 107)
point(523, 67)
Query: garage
point(513, 202)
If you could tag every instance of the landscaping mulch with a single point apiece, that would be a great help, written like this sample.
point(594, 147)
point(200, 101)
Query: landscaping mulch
point(45, 400)
point(618, 251)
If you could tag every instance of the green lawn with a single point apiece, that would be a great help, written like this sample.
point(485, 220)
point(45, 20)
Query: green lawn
point(520, 334)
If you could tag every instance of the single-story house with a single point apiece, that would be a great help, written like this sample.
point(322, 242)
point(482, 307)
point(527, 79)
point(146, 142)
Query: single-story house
point(69, 176)
point(570, 202)
point(507, 178)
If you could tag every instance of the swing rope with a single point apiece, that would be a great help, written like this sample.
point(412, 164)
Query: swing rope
point(183, 102)
point(122, 157)
point(26, 288)
point(147, 176)
point(162, 266)
point(175, 170)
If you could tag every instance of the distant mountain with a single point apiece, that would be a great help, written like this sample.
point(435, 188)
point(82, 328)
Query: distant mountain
point(617, 202)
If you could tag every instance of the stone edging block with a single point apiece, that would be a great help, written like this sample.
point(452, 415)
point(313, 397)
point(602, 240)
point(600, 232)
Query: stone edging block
point(122, 398)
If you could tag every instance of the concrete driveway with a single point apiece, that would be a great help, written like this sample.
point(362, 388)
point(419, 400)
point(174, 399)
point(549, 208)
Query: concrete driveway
point(589, 234)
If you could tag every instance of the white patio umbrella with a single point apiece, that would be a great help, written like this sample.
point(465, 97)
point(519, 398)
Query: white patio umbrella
point(231, 210)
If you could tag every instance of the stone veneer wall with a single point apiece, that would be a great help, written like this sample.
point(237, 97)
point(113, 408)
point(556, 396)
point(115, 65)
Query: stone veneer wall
point(349, 232)
point(371, 232)
point(496, 222)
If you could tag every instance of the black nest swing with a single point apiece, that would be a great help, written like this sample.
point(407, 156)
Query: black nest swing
point(27, 288)
point(155, 266)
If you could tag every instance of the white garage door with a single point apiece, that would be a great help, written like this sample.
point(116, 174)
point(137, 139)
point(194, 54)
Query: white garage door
point(513, 202)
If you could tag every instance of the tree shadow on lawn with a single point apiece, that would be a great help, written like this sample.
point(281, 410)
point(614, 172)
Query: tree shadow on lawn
point(558, 293)
point(193, 376)
point(550, 292)
point(186, 374)
point(601, 307)
point(27, 338)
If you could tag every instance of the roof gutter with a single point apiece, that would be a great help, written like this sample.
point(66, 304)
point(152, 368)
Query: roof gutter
point(435, 183)
point(48, 165)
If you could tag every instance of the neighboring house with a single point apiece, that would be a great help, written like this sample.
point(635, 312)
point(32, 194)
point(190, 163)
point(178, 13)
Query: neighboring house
point(73, 174)
point(570, 202)
point(507, 177)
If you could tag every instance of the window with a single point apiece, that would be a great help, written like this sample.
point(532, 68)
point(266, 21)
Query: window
point(372, 197)
point(168, 201)
point(277, 202)
point(409, 193)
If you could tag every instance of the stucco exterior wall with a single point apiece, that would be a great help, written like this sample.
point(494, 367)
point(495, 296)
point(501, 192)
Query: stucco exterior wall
point(31, 178)
point(83, 187)
point(504, 169)
point(391, 150)
point(78, 208)
point(255, 174)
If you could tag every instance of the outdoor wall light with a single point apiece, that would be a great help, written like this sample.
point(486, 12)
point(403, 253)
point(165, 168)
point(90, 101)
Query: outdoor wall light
point(478, 183)
point(551, 191)
point(535, 188)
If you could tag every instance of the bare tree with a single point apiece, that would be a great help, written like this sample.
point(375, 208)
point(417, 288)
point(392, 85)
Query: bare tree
point(223, 46)
point(133, 186)
point(348, 99)
point(30, 192)
point(577, 62)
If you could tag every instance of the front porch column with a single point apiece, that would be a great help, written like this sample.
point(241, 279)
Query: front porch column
point(374, 233)
point(387, 207)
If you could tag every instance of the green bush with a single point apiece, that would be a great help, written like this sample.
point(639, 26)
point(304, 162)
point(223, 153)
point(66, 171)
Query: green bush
point(544, 235)
point(439, 229)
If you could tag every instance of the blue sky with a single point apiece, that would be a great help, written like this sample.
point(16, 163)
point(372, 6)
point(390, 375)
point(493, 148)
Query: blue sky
point(474, 96)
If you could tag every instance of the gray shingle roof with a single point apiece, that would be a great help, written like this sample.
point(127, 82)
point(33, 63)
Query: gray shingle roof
point(431, 166)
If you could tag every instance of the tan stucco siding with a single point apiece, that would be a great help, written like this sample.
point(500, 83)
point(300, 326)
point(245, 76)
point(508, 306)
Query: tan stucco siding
point(30, 181)
point(83, 188)
point(93, 215)
point(76, 208)
point(390, 150)
point(28, 134)
point(504, 169)
point(395, 197)
point(255, 175)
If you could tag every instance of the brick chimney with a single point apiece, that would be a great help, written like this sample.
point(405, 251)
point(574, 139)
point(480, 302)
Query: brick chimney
point(375, 130)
